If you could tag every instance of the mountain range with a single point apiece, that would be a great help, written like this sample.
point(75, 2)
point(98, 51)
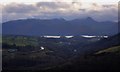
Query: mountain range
point(37, 27)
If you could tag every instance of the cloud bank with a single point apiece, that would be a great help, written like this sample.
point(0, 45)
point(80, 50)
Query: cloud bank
point(66, 10)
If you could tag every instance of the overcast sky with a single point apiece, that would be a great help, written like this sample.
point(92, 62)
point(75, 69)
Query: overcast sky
point(100, 10)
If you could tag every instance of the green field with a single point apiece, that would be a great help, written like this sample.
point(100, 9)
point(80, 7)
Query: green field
point(20, 40)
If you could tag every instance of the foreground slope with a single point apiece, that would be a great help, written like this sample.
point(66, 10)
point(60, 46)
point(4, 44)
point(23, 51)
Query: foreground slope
point(101, 59)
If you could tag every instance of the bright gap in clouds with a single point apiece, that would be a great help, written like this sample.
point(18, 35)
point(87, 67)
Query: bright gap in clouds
point(34, 1)
point(19, 1)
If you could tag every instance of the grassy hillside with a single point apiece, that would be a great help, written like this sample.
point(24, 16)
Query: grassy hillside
point(104, 60)
point(115, 49)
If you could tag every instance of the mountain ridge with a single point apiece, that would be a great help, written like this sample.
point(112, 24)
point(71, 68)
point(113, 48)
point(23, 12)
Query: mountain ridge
point(59, 27)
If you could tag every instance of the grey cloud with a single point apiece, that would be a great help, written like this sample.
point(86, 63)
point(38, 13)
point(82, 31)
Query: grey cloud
point(15, 16)
point(53, 5)
point(19, 8)
point(108, 6)
point(95, 5)
point(104, 15)
point(84, 10)
point(18, 11)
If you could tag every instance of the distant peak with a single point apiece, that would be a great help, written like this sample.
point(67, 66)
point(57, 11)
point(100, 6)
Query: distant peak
point(89, 18)
point(59, 19)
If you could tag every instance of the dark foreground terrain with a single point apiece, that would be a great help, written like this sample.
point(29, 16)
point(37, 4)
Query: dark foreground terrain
point(77, 53)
